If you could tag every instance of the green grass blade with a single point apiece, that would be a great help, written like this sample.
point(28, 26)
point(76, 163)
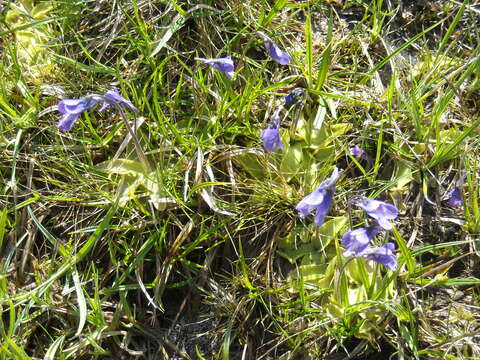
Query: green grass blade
point(406, 254)
point(82, 304)
point(326, 56)
point(309, 49)
point(53, 348)
point(279, 5)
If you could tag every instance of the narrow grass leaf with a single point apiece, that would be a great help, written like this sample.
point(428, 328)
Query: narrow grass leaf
point(342, 98)
point(436, 247)
point(3, 224)
point(326, 56)
point(226, 342)
point(82, 304)
point(406, 254)
point(451, 28)
point(32, 24)
point(81, 253)
point(6, 108)
point(12, 319)
point(87, 68)
point(448, 282)
point(309, 49)
point(176, 24)
point(441, 156)
point(97, 234)
point(279, 5)
point(17, 351)
point(53, 241)
point(53, 348)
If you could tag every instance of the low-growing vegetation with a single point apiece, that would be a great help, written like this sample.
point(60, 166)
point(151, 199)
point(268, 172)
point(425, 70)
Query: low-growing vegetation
point(270, 179)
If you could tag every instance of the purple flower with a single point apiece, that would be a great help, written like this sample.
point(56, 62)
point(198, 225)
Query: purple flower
point(383, 255)
point(357, 151)
point(380, 211)
point(224, 65)
point(319, 200)
point(291, 98)
point(72, 109)
point(112, 97)
point(274, 51)
point(455, 197)
point(357, 240)
point(270, 135)
point(271, 138)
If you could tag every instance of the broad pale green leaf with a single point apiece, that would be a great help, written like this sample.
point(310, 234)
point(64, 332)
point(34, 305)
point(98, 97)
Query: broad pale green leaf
point(293, 254)
point(134, 177)
point(252, 164)
point(296, 244)
point(122, 167)
point(293, 161)
point(403, 176)
point(330, 230)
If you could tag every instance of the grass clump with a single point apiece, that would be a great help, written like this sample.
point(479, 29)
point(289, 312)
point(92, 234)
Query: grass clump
point(170, 232)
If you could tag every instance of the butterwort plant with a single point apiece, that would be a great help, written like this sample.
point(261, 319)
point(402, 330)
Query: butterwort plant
point(320, 200)
point(224, 64)
point(271, 135)
point(277, 54)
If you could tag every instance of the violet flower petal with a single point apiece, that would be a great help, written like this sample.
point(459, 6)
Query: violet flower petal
point(112, 96)
point(380, 211)
point(67, 121)
point(72, 108)
point(224, 65)
point(357, 151)
point(455, 197)
point(291, 98)
point(76, 106)
point(383, 255)
point(270, 135)
point(277, 54)
point(319, 200)
point(271, 138)
point(357, 240)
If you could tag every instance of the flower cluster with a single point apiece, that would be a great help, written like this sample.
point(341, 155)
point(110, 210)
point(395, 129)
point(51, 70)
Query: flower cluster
point(356, 242)
point(270, 135)
point(73, 108)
